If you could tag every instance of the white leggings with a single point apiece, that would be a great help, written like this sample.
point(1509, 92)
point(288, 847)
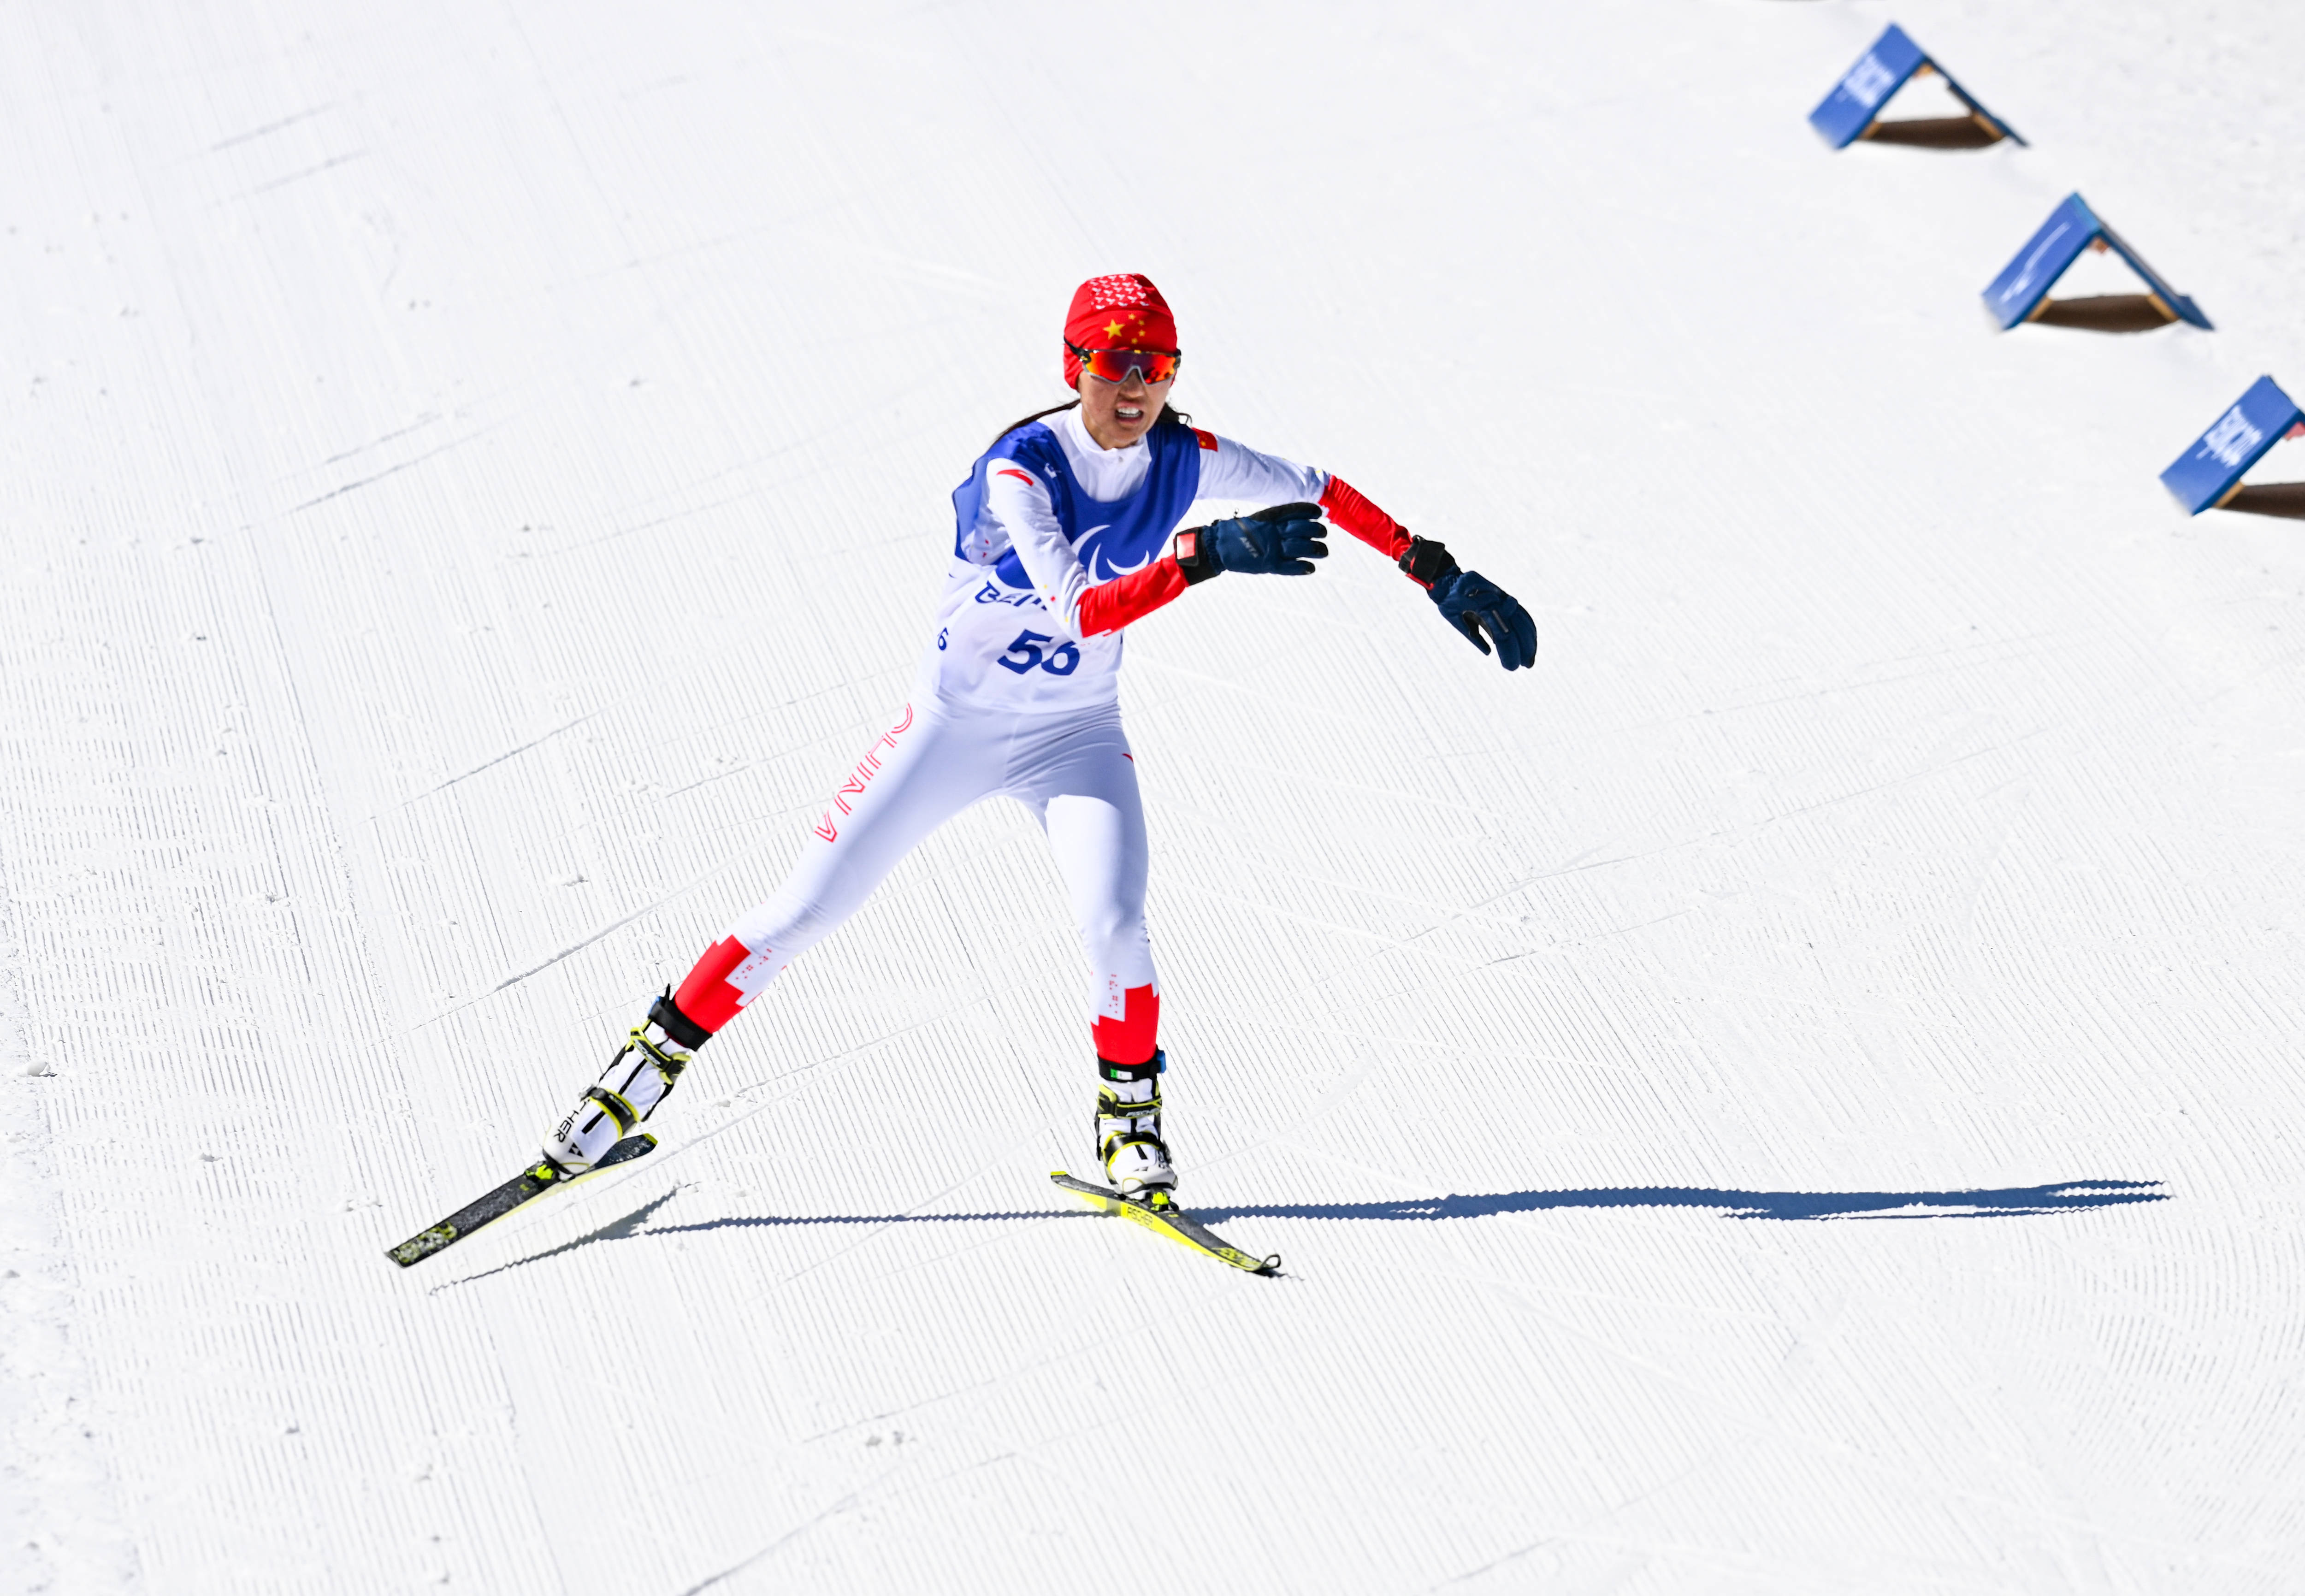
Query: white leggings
point(1073, 770)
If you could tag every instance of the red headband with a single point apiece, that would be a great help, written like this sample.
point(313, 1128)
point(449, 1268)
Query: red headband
point(1123, 312)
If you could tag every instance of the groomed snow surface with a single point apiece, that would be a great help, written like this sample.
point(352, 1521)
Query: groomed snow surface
point(1799, 1093)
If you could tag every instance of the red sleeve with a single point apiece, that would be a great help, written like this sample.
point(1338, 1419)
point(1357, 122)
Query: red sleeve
point(1346, 508)
point(1132, 597)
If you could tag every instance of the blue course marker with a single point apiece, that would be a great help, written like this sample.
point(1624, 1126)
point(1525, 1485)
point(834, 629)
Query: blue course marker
point(1847, 114)
point(2021, 291)
point(2208, 474)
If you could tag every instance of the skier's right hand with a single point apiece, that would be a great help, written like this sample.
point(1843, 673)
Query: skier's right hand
point(1281, 541)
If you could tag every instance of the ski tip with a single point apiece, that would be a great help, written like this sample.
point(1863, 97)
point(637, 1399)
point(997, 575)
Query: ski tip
point(420, 1245)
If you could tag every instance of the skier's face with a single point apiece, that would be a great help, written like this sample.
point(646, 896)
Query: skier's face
point(1117, 413)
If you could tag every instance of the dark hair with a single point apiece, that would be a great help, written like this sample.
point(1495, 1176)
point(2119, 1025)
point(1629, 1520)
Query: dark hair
point(1170, 416)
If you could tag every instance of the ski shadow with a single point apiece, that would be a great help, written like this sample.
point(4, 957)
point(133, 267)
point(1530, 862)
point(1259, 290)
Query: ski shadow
point(615, 1230)
point(2005, 1203)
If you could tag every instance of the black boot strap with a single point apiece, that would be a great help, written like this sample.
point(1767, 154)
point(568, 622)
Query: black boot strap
point(677, 1025)
point(668, 1064)
point(618, 1108)
point(1110, 1105)
point(1146, 1070)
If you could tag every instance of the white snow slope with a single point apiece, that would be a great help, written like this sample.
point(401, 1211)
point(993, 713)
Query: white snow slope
point(1799, 1093)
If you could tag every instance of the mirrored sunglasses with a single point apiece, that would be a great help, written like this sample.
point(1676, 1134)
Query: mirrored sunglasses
point(1114, 365)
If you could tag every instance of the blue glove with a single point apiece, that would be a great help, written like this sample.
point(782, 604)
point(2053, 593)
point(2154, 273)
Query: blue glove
point(1473, 604)
point(1281, 541)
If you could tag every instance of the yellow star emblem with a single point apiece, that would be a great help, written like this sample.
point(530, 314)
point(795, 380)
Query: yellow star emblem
point(1112, 329)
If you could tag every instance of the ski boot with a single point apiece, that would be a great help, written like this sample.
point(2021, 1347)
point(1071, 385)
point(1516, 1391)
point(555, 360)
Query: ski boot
point(1128, 1127)
point(638, 1078)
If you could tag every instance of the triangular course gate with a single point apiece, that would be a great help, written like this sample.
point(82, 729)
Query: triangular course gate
point(1852, 110)
point(2021, 292)
point(2208, 476)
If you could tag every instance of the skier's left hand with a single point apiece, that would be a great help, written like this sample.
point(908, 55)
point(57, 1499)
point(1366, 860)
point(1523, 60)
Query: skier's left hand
point(1473, 604)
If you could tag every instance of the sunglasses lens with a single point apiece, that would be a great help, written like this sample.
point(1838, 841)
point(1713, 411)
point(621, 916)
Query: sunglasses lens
point(1114, 365)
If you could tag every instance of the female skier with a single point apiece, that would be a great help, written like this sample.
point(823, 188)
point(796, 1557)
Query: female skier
point(1057, 547)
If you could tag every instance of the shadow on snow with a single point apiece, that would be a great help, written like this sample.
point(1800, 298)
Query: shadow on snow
point(2005, 1203)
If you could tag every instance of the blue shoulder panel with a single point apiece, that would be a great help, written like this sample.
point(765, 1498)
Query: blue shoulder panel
point(1113, 537)
point(1032, 446)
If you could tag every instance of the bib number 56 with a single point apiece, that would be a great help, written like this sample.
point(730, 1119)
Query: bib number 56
point(1024, 654)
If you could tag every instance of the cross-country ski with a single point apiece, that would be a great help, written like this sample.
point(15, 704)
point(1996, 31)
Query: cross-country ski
point(529, 1185)
point(1160, 1214)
